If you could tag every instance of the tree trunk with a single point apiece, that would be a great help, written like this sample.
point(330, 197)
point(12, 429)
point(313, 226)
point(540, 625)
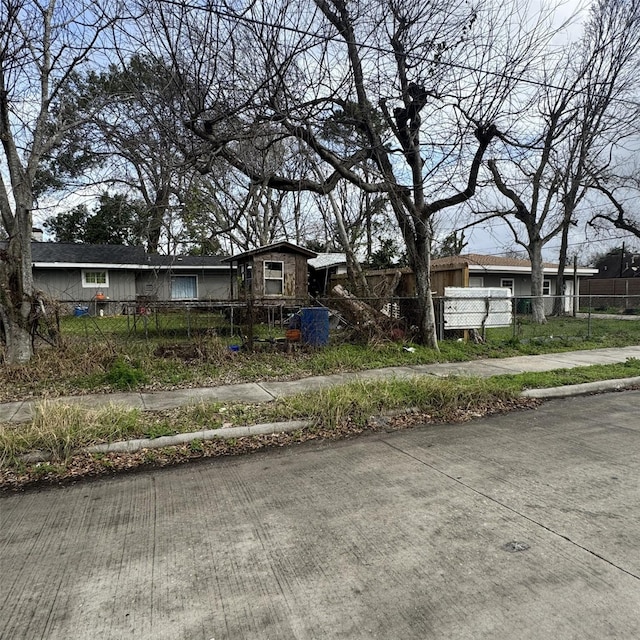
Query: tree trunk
point(537, 278)
point(558, 301)
point(421, 266)
point(16, 295)
point(18, 349)
point(157, 213)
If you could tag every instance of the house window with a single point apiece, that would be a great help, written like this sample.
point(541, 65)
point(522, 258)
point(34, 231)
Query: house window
point(507, 283)
point(273, 278)
point(95, 279)
point(476, 282)
point(184, 287)
point(546, 287)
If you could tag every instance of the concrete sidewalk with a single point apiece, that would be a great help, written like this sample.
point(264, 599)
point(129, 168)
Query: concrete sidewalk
point(268, 391)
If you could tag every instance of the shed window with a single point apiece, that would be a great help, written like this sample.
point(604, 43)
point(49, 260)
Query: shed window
point(95, 278)
point(184, 287)
point(273, 278)
point(246, 276)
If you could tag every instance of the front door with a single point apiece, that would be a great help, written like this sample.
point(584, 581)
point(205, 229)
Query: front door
point(568, 296)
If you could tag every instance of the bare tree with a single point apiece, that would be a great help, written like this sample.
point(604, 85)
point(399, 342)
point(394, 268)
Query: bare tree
point(581, 116)
point(42, 45)
point(385, 71)
point(624, 217)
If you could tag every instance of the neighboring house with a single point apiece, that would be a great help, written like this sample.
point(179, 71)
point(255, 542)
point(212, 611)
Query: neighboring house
point(515, 274)
point(275, 274)
point(82, 273)
point(475, 270)
point(619, 264)
point(616, 284)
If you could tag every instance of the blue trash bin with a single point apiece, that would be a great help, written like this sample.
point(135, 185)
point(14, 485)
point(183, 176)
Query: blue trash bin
point(314, 326)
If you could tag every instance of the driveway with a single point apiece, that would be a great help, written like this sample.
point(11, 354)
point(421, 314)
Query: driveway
point(519, 526)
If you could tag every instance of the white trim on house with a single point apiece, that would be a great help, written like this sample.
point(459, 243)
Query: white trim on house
point(94, 285)
point(581, 271)
point(108, 265)
point(84, 265)
point(511, 286)
point(273, 278)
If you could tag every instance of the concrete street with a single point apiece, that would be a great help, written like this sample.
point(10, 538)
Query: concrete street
point(513, 527)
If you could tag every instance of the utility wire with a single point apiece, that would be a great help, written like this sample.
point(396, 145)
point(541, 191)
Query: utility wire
point(326, 38)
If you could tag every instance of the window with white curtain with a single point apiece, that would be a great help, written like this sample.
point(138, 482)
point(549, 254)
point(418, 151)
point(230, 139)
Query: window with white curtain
point(184, 287)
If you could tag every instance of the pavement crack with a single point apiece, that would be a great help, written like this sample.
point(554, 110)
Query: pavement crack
point(269, 393)
point(512, 510)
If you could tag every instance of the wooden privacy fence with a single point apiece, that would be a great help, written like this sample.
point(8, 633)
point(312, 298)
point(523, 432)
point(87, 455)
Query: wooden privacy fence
point(605, 293)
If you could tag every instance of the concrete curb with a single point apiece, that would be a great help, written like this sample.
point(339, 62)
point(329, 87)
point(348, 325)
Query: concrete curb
point(224, 433)
point(582, 389)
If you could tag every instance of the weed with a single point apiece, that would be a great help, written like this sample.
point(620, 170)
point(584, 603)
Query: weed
point(60, 430)
point(46, 468)
point(150, 455)
point(124, 375)
point(196, 446)
point(159, 429)
point(203, 416)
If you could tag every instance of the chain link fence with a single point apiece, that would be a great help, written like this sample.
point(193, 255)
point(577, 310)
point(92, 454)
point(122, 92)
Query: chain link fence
point(123, 322)
point(479, 318)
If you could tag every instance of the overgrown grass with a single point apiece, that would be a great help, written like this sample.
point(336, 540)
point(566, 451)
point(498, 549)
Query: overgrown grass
point(99, 362)
point(358, 401)
point(61, 430)
point(562, 377)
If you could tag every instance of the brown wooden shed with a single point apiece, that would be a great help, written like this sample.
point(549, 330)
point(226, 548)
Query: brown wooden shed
point(274, 274)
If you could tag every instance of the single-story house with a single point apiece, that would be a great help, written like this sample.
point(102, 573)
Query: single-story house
point(513, 273)
point(110, 274)
point(476, 270)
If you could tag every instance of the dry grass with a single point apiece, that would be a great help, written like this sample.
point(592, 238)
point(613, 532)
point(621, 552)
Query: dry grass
point(61, 429)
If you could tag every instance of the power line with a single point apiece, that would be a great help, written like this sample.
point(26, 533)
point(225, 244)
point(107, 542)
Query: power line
point(326, 38)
